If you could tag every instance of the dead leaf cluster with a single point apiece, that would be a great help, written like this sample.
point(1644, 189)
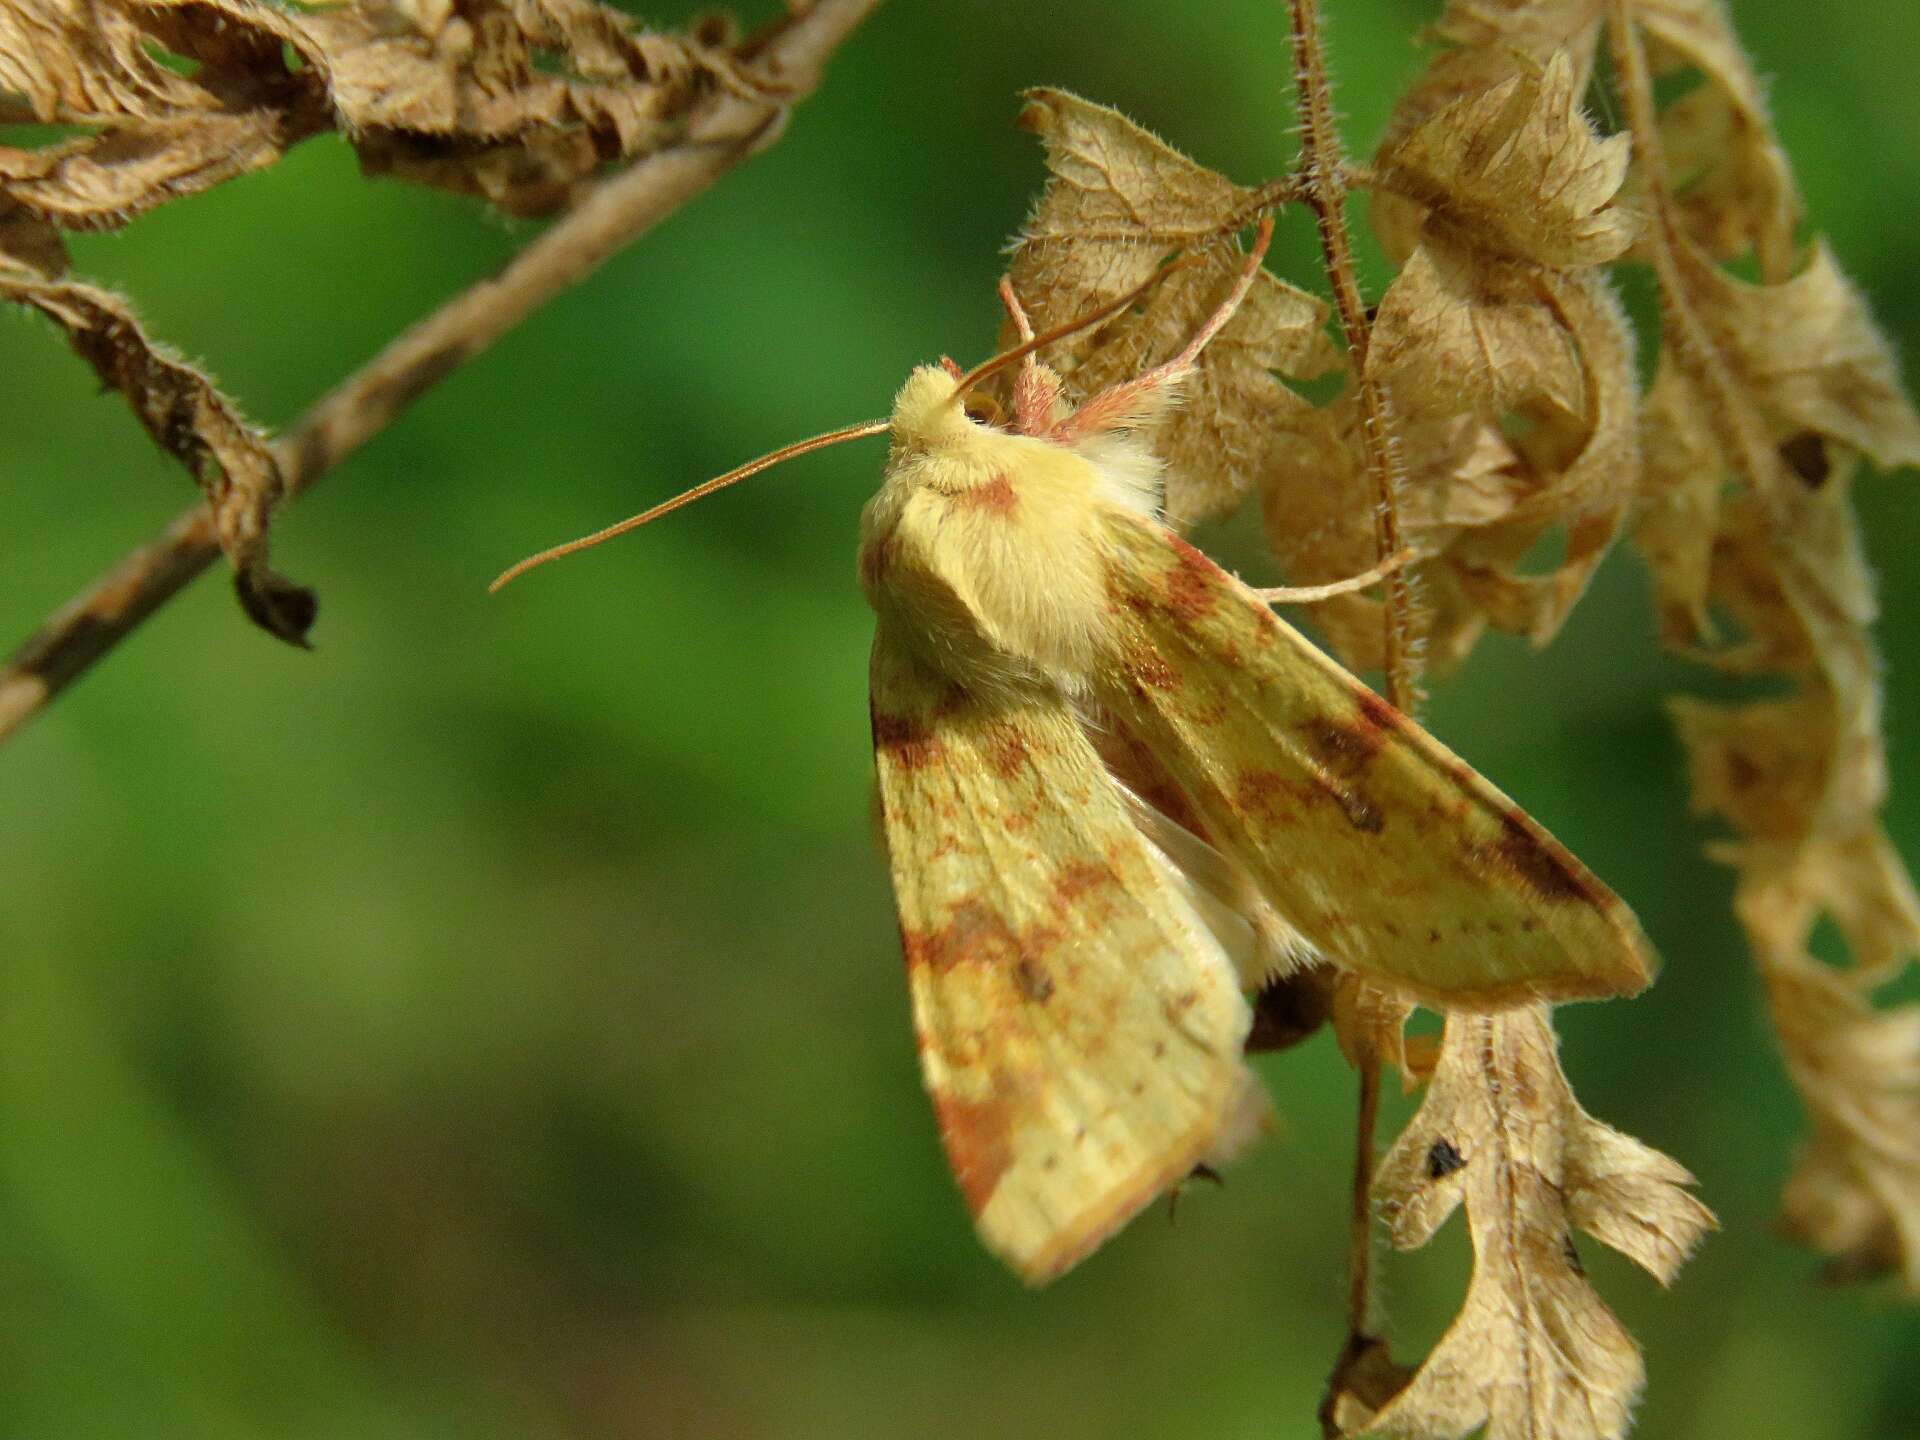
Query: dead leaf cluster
point(519, 102)
point(1765, 401)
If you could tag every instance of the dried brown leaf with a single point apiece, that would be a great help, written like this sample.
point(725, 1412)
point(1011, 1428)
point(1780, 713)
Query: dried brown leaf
point(518, 101)
point(1767, 397)
point(1820, 385)
point(29, 242)
point(191, 420)
point(1118, 205)
point(1513, 389)
point(1730, 180)
point(77, 62)
point(1518, 170)
point(1118, 201)
point(1533, 1353)
point(1854, 1194)
point(108, 179)
point(162, 134)
point(1807, 353)
point(1485, 44)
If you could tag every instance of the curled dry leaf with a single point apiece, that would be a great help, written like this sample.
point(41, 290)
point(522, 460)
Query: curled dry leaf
point(1541, 435)
point(1519, 170)
point(1118, 205)
point(1510, 367)
point(518, 101)
point(1767, 398)
point(191, 420)
point(1485, 44)
point(1854, 1194)
point(1730, 181)
point(157, 134)
point(1801, 779)
point(1533, 1352)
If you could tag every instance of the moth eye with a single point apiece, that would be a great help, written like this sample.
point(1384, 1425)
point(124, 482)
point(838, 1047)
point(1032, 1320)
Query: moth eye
point(982, 409)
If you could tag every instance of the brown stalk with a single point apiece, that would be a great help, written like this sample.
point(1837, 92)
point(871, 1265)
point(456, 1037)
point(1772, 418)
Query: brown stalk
point(727, 129)
point(1322, 179)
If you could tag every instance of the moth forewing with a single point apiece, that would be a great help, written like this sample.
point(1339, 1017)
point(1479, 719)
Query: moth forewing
point(1080, 1027)
point(1389, 853)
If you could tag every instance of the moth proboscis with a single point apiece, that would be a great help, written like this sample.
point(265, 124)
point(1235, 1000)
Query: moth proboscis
point(1078, 957)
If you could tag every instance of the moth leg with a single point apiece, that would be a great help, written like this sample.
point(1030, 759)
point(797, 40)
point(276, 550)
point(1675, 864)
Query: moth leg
point(1115, 404)
point(1035, 388)
point(1302, 594)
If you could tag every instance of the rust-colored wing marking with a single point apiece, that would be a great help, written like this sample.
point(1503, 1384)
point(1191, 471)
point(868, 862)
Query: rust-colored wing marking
point(1079, 1026)
point(1387, 851)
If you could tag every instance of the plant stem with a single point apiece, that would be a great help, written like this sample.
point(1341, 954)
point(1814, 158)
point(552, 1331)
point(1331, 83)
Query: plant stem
point(1323, 185)
point(727, 129)
point(1323, 175)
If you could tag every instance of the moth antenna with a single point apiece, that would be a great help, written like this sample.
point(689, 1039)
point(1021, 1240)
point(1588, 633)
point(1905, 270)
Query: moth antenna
point(1059, 332)
point(1034, 389)
point(687, 497)
point(1101, 411)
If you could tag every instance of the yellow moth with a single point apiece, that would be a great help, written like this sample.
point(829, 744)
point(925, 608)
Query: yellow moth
point(1079, 944)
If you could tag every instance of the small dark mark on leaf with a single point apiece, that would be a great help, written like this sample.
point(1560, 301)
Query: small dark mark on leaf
point(1806, 455)
point(1443, 1160)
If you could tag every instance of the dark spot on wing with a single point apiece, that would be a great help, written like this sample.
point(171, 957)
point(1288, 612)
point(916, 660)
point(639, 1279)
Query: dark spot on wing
point(1079, 877)
point(1263, 794)
point(974, 933)
point(1268, 796)
point(995, 496)
point(1034, 981)
point(1443, 1160)
point(1345, 748)
point(1377, 712)
point(1007, 752)
point(905, 740)
point(1193, 585)
point(1359, 811)
point(978, 1135)
point(1542, 863)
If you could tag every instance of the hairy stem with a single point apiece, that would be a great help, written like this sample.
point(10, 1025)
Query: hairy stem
point(727, 129)
point(1323, 176)
point(1323, 185)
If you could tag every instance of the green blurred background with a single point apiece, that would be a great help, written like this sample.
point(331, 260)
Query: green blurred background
point(491, 1023)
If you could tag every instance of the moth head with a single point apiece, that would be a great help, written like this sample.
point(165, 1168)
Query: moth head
point(939, 407)
point(925, 415)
